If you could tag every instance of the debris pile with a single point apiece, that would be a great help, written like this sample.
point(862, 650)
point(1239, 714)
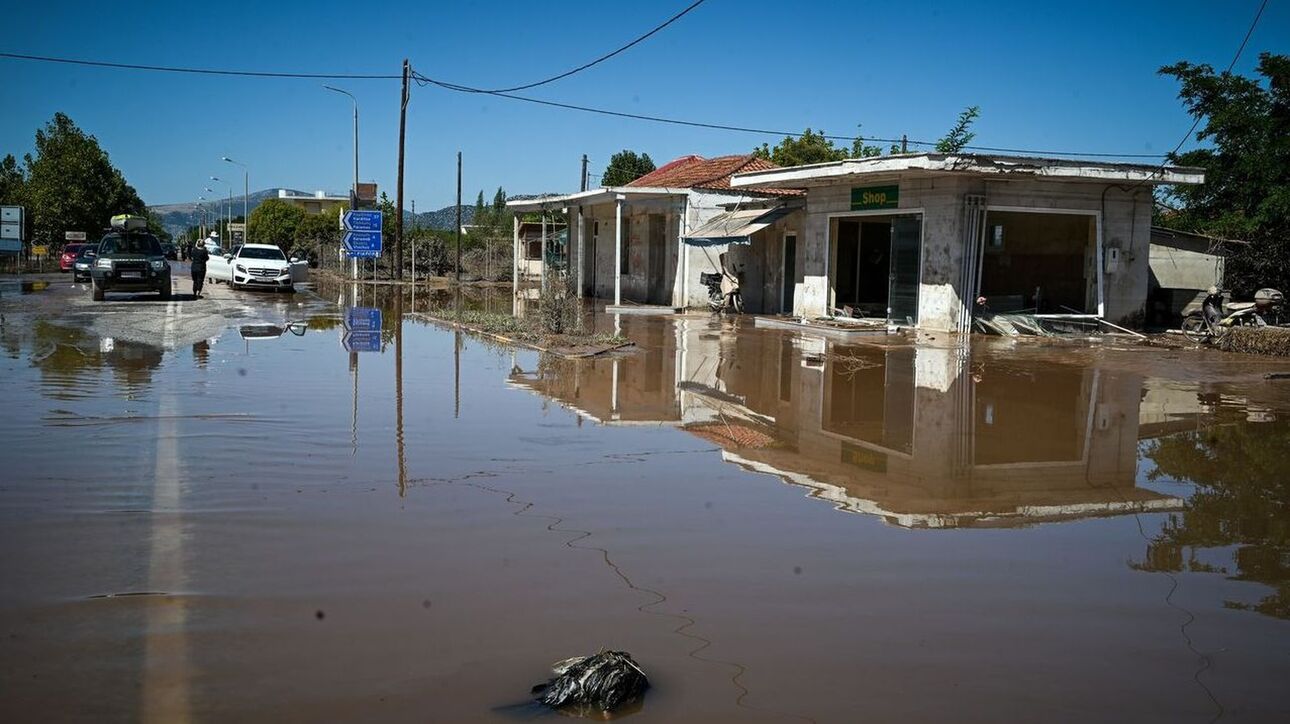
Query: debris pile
point(585, 685)
point(1256, 340)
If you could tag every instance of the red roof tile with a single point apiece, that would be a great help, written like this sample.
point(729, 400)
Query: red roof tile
point(697, 172)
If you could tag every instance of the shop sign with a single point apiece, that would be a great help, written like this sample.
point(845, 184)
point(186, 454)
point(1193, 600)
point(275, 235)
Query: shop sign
point(864, 198)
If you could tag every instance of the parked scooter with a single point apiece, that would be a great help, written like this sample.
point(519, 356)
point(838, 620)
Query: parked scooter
point(717, 301)
point(1214, 317)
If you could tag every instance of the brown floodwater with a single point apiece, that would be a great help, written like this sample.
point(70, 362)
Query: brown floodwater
point(263, 526)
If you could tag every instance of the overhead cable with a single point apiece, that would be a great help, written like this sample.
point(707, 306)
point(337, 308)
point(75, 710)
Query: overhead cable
point(426, 80)
point(599, 60)
point(200, 71)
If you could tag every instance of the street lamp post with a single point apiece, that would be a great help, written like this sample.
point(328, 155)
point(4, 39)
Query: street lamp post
point(353, 192)
point(246, 194)
point(201, 229)
point(230, 209)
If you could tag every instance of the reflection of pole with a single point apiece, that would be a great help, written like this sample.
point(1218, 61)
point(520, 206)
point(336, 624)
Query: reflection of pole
point(456, 374)
point(398, 391)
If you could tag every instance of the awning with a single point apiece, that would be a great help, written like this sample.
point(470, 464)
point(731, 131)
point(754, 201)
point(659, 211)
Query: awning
point(735, 227)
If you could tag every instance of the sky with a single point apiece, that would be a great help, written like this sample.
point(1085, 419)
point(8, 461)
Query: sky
point(1075, 76)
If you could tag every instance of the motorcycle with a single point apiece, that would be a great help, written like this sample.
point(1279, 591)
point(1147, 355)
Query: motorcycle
point(717, 301)
point(1215, 317)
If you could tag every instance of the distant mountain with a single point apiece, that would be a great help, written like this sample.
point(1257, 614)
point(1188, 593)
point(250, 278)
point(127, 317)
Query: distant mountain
point(177, 217)
point(445, 218)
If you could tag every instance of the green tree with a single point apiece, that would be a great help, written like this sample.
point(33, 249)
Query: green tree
point(71, 184)
point(1246, 194)
point(813, 147)
point(481, 211)
point(960, 135)
point(275, 221)
point(316, 229)
point(12, 180)
point(625, 167)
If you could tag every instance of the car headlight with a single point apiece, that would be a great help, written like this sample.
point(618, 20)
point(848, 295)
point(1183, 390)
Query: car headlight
point(158, 264)
point(240, 268)
point(103, 263)
point(284, 272)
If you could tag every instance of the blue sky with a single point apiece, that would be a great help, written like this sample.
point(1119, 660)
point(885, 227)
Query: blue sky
point(1061, 76)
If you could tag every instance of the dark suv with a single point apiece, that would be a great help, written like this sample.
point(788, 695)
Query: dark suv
point(130, 261)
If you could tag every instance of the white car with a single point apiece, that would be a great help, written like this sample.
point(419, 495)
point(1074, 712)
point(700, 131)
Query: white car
point(252, 265)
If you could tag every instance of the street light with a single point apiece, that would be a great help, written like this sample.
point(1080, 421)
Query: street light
point(230, 206)
point(202, 207)
point(353, 193)
point(246, 193)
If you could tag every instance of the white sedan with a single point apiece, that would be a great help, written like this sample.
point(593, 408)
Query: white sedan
point(252, 265)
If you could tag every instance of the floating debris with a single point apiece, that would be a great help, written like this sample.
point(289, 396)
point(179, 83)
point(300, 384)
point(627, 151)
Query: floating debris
point(586, 684)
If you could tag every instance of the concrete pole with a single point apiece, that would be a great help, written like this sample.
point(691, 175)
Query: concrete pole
point(542, 260)
point(618, 250)
point(515, 256)
point(582, 263)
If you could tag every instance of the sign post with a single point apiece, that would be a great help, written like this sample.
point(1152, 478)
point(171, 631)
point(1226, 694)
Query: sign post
point(362, 233)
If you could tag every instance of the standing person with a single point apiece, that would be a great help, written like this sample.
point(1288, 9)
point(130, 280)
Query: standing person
point(199, 258)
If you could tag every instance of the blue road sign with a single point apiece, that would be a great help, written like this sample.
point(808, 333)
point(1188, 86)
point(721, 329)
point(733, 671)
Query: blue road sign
point(362, 221)
point(362, 243)
point(363, 319)
point(362, 341)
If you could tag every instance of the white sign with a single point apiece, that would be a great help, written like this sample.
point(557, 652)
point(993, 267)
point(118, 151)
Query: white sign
point(74, 235)
point(11, 214)
point(10, 231)
point(237, 227)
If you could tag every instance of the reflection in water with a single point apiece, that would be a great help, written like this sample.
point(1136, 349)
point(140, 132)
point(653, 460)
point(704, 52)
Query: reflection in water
point(1237, 523)
point(66, 356)
point(921, 437)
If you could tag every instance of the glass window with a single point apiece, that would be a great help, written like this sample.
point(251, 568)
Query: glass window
point(257, 253)
point(146, 244)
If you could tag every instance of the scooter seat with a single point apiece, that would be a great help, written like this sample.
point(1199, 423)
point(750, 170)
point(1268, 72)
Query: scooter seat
point(1238, 306)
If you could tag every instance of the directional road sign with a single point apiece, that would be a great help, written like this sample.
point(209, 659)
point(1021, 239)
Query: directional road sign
point(362, 221)
point(362, 243)
point(362, 341)
point(362, 319)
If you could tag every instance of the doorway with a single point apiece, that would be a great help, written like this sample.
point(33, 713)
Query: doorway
point(790, 273)
point(875, 267)
point(657, 292)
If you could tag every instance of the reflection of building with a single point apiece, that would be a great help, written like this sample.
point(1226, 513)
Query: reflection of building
point(921, 437)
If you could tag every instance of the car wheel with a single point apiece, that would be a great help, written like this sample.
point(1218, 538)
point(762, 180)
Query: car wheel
point(164, 292)
point(96, 292)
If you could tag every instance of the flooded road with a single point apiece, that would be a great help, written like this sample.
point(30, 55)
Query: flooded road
point(244, 520)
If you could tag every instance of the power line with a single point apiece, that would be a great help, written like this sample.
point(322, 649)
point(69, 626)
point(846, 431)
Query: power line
point(599, 60)
point(426, 80)
point(1230, 66)
point(199, 71)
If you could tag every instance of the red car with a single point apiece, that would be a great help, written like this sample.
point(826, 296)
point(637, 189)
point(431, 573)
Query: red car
point(68, 260)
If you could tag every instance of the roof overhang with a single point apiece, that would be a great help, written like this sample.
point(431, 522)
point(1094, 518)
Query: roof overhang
point(826, 174)
point(592, 197)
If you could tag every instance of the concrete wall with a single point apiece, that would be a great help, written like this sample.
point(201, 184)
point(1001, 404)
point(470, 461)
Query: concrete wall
point(1125, 226)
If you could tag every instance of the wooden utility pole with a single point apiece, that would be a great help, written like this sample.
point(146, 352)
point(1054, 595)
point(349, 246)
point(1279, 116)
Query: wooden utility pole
point(398, 220)
point(584, 172)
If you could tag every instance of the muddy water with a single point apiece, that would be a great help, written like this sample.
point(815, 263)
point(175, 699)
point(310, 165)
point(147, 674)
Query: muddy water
point(267, 527)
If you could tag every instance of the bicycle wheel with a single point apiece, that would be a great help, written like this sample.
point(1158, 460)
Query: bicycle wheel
point(1195, 329)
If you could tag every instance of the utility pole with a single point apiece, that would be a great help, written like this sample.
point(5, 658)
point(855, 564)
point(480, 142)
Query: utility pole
point(584, 172)
point(459, 236)
point(398, 221)
point(904, 143)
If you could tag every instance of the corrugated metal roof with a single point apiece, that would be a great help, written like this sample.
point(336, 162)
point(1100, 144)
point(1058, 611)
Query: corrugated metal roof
point(735, 226)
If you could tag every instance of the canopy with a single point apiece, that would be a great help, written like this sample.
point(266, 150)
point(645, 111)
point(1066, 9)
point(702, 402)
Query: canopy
point(735, 227)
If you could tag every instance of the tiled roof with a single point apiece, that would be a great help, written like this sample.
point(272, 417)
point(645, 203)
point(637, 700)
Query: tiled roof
point(697, 172)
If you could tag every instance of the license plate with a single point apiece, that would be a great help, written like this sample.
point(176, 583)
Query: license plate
point(131, 275)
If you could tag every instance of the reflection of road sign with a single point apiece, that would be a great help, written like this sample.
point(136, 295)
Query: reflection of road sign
point(362, 221)
point(363, 319)
point(74, 235)
point(362, 341)
point(362, 243)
